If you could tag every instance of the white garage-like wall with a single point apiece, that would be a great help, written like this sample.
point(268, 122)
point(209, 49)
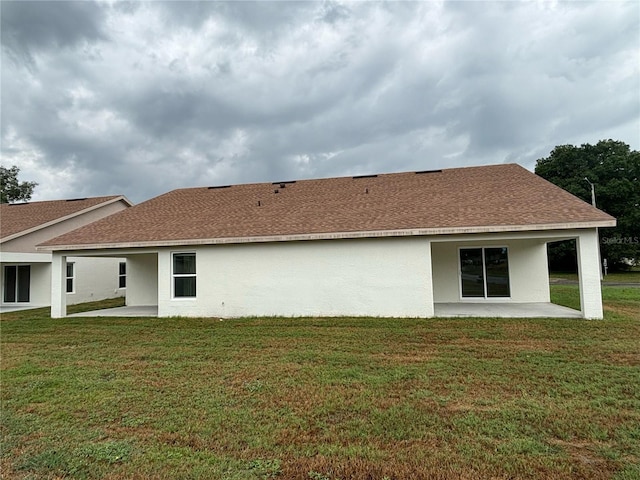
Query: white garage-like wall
point(388, 277)
point(528, 270)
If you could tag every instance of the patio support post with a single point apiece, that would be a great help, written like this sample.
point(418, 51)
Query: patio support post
point(430, 308)
point(589, 275)
point(58, 285)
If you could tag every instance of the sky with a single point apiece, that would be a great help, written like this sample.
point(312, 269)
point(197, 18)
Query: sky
point(139, 98)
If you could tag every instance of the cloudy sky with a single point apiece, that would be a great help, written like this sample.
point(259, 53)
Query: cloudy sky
point(140, 98)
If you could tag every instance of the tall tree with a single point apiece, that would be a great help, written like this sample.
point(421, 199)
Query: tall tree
point(614, 169)
point(11, 190)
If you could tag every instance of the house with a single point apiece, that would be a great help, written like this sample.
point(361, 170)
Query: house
point(414, 244)
point(26, 272)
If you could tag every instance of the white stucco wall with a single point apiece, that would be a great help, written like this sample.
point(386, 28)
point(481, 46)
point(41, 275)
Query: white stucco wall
point(95, 279)
point(39, 287)
point(375, 277)
point(528, 270)
point(589, 274)
point(142, 279)
point(40, 284)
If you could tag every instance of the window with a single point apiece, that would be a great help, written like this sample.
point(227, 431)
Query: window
point(17, 281)
point(484, 272)
point(70, 278)
point(184, 275)
point(122, 275)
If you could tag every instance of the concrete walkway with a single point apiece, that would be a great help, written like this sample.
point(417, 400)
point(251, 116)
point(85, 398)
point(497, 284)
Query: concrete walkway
point(501, 310)
point(505, 310)
point(139, 311)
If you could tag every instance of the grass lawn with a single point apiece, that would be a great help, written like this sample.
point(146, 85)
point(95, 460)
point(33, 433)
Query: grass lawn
point(632, 276)
point(320, 399)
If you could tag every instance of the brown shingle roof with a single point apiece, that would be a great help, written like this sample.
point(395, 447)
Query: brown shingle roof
point(17, 218)
point(495, 197)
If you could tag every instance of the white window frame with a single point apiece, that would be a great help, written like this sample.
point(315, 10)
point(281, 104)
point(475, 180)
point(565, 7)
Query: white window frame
point(484, 274)
point(72, 277)
point(174, 276)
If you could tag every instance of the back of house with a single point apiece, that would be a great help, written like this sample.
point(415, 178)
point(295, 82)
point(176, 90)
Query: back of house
point(26, 272)
point(414, 244)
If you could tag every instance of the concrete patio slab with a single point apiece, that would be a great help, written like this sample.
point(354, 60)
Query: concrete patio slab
point(500, 310)
point(137, 311)
point(505, 310)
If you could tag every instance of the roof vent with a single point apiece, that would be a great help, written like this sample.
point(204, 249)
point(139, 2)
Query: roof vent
point(219, 186)
point(282, 184)
point(428, 171)
point(76, 199)
point(364, 176)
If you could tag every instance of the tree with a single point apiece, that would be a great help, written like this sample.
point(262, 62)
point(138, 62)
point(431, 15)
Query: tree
point(614, 169)
point(11, 190)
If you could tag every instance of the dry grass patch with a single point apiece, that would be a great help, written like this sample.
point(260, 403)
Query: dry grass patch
point(322, 399)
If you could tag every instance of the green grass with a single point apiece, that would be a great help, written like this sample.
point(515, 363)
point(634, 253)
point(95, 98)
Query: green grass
point(345, 398)
point(632, 276)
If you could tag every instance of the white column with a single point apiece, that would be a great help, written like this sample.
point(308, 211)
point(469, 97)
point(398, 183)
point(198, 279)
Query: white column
point(589, 274)
point(58, 285)
point(429, 307)
point(164, 284)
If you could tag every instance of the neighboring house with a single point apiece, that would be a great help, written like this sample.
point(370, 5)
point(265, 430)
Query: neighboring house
point(26, 273)
point(392, 245)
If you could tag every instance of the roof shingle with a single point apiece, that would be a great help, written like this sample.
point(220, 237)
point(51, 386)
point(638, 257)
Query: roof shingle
point(456, 198)
point(22, 217)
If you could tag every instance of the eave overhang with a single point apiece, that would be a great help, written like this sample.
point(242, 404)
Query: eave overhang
point(333, 236)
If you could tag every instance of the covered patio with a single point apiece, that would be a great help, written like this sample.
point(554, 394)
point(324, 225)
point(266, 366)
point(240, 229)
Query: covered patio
point(126, 311)
point(442, 310)
point(505, 310)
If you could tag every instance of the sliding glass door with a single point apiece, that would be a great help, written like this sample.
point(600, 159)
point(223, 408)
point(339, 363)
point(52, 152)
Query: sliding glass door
point(484, 272)
point(472, 269)
point(17, 281)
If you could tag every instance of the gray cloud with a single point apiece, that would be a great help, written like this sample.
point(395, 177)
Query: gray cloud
point(140, 98)
point(29, 26)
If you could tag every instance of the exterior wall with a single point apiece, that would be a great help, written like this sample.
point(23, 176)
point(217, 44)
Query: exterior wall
point(95, 279)
point(528, 271)
point(375, 277)
point(39, 288)
point(40, 284)
point(142, 279)
point(27, 243)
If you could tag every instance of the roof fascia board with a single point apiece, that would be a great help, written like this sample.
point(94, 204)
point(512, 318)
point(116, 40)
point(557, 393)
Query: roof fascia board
point(21, 257)
point(336, 236)
point(67, 217)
